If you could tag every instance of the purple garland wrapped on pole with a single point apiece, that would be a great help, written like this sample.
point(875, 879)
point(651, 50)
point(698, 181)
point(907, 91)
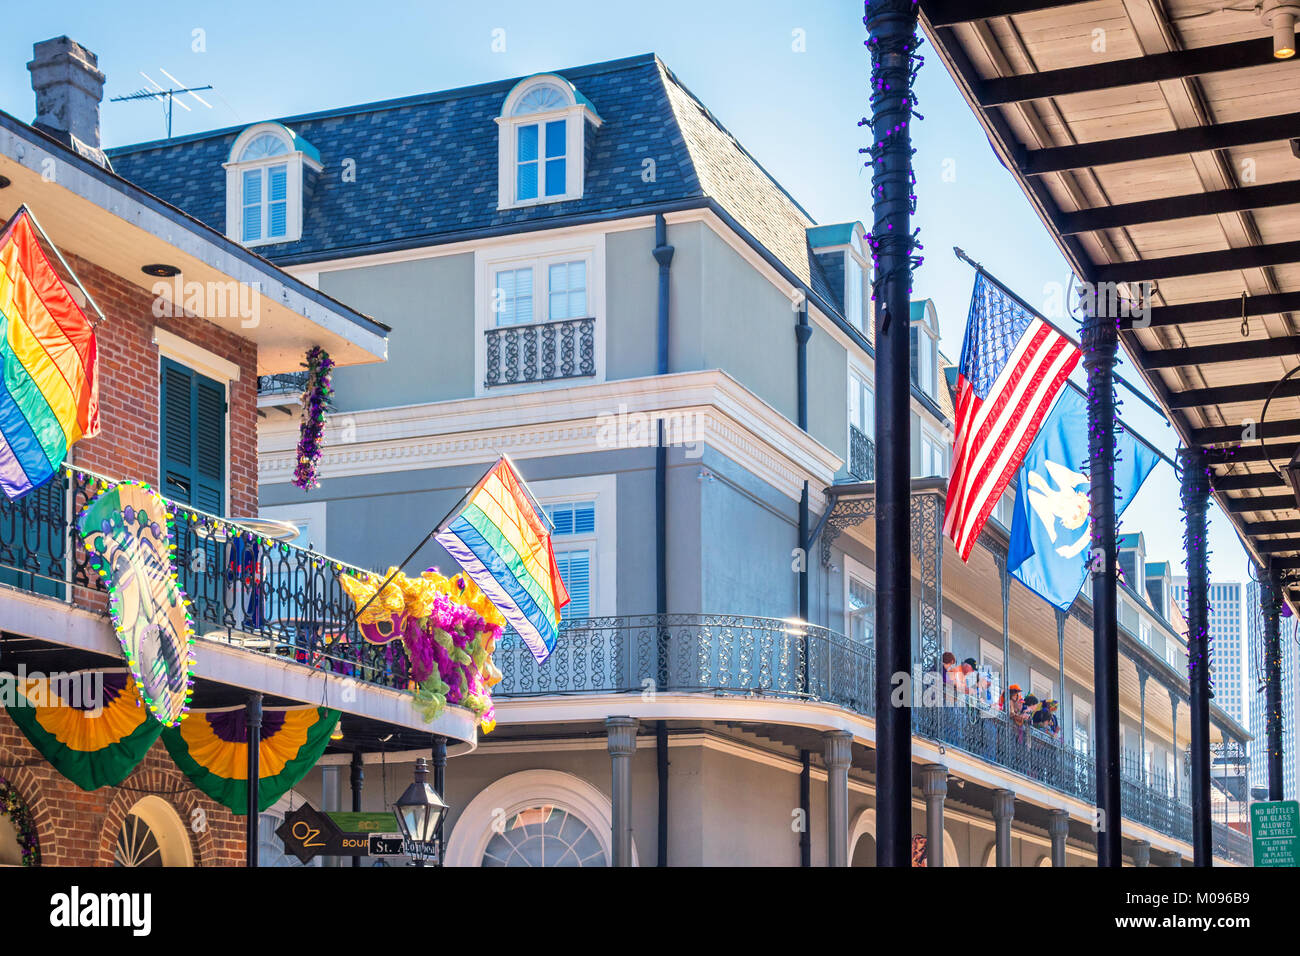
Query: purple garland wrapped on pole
point(315, 403)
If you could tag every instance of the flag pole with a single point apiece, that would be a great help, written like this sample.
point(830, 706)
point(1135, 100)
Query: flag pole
point(50, 242)
point(1155, 407)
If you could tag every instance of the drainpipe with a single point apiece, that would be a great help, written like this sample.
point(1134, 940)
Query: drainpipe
point(802, 333)
point(663, 254)
point(253, 727)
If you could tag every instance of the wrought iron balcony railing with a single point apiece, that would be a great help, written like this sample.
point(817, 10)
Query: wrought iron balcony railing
point(754, 656)
point(541, 352)
point(862, 455)
point(265, 596)
point(283, 383)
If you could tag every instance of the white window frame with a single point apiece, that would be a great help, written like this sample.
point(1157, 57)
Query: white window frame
point(602, 490)
point(208, 364)
point(859, 376)
point(539, 255)
point(576, 116)
point(1077, 703)
point(993, 652)
point(1038, 679)
point(309, 516)
point(853, 568)
point(296, 161)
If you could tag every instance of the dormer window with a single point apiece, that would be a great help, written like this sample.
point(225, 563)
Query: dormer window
point(839, 249)
point(265, 183)
point(542, 137)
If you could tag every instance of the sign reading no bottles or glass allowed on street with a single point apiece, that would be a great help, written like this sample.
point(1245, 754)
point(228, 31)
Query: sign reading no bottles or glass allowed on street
point(1275, 829)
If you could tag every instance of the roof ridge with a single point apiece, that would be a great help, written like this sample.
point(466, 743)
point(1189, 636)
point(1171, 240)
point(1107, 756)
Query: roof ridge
point(709, 115)
point(415, 99)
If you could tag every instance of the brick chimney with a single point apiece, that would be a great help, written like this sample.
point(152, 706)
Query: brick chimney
point(69, 87)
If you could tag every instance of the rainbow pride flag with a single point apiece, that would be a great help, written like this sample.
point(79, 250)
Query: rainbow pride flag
point(503, 544)
point(49, 392)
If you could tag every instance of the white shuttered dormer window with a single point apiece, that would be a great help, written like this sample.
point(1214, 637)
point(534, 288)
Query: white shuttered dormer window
point(264, 184)
point(542, 132)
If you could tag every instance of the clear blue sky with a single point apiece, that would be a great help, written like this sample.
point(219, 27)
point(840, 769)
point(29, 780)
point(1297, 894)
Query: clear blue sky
point(796, 111)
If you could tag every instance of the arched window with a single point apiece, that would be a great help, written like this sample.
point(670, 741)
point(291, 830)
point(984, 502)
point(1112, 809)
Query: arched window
point(264, 184)
point(11, 851)
point(152, 834)
point(534, 818)
point(542, 130)
point(544, 836)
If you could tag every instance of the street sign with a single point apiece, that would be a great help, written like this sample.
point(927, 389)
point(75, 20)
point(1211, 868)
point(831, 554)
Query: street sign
point(307, 833)
point(387, 844)
point(1275, 829)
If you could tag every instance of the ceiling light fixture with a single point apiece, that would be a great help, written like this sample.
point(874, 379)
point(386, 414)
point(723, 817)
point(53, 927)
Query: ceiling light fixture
point(160, 270)
point(1281, 16)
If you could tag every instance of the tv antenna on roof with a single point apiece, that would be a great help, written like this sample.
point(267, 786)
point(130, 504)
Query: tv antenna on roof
point(168, 94)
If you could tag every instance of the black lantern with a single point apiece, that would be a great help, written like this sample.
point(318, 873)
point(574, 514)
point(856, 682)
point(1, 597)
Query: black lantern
point(419, 811)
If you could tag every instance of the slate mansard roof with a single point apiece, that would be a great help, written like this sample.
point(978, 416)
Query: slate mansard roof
point(426, 170)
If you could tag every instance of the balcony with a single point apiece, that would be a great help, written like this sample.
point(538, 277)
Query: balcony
point(285, 383)
point(246, 590)
point(862, 456)
point(541, 352)
point(752, 656)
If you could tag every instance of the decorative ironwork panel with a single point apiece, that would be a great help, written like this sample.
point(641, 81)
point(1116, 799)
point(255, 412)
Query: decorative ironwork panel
point(862, 455)
point(540, 352)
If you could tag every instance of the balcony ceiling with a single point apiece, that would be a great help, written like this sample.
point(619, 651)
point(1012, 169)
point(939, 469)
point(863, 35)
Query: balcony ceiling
point(1157, 141)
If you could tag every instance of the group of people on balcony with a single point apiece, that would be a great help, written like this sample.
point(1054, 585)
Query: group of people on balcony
point(969, 683)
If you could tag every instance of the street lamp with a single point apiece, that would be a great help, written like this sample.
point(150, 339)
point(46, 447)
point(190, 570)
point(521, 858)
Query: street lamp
point(419, 811)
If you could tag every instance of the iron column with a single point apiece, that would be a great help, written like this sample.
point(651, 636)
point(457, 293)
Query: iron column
point(1004, 811)
point(891, 25)
point(253, 722)
point(1195, 493)
point(1100, 338)
point(1058, 829)
point(1270, 599)
point(837, 751)
point(934, 787)
point(440, 785)
point(357, 779)
point(621, 741)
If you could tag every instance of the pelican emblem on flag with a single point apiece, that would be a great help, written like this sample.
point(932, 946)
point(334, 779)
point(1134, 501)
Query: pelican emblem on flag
point(1058, 498)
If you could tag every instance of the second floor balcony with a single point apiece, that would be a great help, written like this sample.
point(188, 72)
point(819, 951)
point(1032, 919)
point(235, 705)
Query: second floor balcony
point(751, 657)
point(247, 590)
point(862, 455)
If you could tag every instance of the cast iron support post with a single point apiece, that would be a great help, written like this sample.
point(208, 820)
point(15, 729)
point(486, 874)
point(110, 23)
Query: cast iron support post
point(891, 25)
point(1004, 811)
point(1061, 618)
point(1100, 338)
point(1178, 757)
point(1196, 492)
point(440, 785)
point(1142, 853)
point(934, 787)
point(1143, 674)
point(621, 734)
point(253, 722)
point(661, 768)
point(805, 804)
point(1058, 828)
point(1270, 599)
point(357, 779)
point(837, 751)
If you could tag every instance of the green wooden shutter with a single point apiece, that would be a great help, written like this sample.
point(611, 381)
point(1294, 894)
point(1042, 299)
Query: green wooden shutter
point(193, 438)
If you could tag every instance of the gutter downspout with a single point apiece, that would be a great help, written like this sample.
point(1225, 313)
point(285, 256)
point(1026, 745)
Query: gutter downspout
point(802, 333)
point(663, 254)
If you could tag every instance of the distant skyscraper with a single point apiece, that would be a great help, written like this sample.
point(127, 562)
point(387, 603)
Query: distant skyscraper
point(1228, 666)
point(1290, 688)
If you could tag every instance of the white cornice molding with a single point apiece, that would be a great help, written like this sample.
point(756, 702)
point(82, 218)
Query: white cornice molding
point(712, 408)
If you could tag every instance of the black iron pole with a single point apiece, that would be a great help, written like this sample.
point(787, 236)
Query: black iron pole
point(253, 727)
point(891, 25)
point(661, 764)
point(440, 785)
point(357, 779)
point(1270, 593)
point(1100, 339)
point(805, 805)
point(1196, 493)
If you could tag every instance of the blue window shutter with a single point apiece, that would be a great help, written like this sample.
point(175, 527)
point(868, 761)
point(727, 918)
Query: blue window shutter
point(193, 438)
point(177, 436)
point(575, 571)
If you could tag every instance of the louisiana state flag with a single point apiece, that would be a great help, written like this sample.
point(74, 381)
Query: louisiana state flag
point(504, 545)
point(49, 392)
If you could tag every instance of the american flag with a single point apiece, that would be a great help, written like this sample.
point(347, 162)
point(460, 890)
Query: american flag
point(1012, 365)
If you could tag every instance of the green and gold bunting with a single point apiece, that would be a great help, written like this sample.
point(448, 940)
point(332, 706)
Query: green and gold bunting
point(211, 748)
point(91, 726)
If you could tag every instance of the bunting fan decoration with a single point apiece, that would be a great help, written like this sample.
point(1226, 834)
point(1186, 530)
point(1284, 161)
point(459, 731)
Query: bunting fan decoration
point(128, 530)
point(91, 726)
point(211, 749)
point(49, 392)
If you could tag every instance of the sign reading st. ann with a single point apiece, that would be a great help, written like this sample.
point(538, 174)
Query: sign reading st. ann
point(1275, 830)
point(307, 833)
